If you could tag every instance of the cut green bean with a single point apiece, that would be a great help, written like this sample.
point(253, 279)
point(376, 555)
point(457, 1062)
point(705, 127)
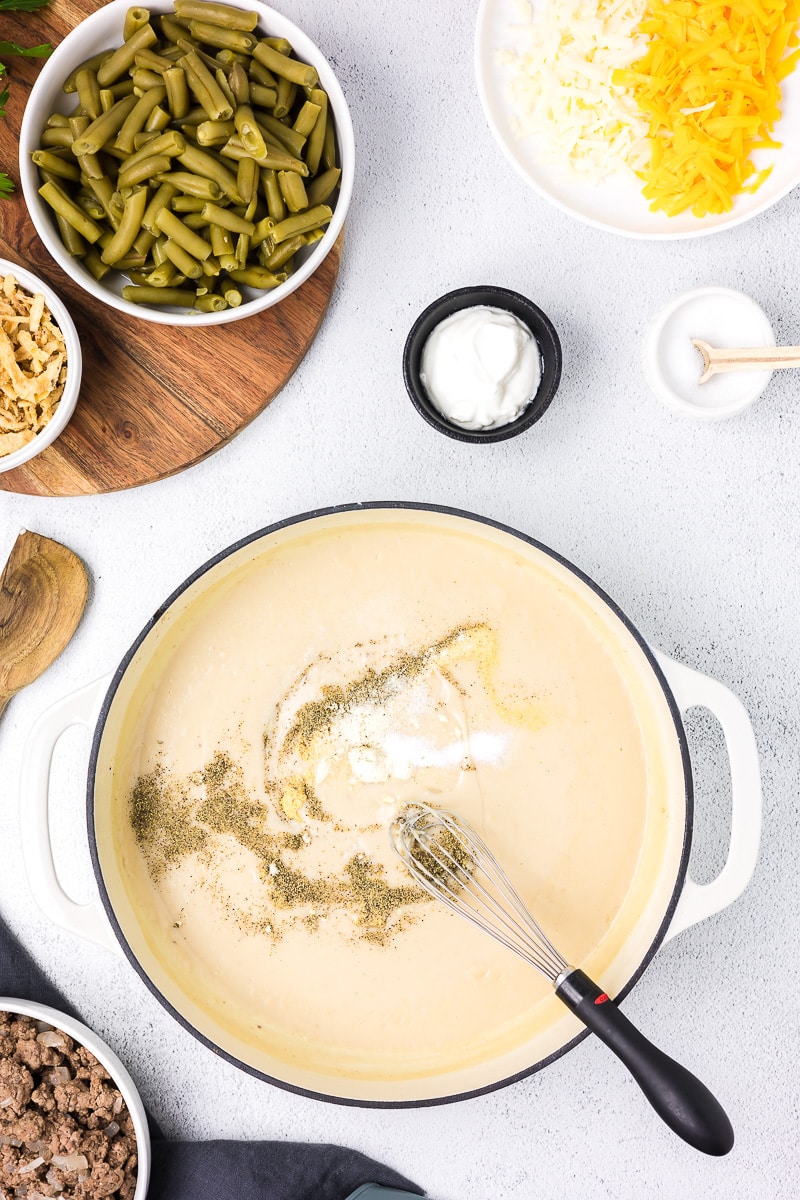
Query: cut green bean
point(263, 97)
point(258, 277)
point(233, 297)
point(320, 214)
point(63, 167)
point(249, 133)
point(214, 133)
point(129, 227)
point(272, 194)
point(95, 265)
point(88, 92)
point(60, 202)
point(135, 18)
point(192, 185)
point(181, 258)
point(205, 88)
point(306, 119)
point(289, 138)
point(285, 98)
point(221, 14)
point(92, 64)
point(323, 186)
point(285, 67)
point(152, 61)
point(169, 297)
point(316, 139)
point(74, 243)
point(287, 250)
point(107, 126)
point(293, 191)
point(247, 179)
point(239, 84)
point(200, 162)
point(210, 303)
point(177, 92)
point(209, 34)
point(225, 218)
point(187, 204)
point(136, 118)
point(122, 59)
point(158, 121)
point(143, 170)
point(167, 222)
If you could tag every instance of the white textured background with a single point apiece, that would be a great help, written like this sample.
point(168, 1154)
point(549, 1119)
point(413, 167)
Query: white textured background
point(692, 529)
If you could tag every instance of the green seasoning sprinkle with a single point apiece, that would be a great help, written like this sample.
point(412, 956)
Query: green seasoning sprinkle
point(159, 811)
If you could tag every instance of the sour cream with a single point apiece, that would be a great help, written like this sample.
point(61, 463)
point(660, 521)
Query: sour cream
point(481, 367)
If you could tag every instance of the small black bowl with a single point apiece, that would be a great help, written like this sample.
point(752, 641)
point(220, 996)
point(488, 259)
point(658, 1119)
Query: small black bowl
point(493, 297)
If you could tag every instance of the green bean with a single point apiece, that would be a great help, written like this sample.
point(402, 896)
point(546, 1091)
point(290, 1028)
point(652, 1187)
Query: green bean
point(173, 30)
point(170, 297)
point(195, 221)
point(90, 205)
point(181, 258)
point(143, 170)
point(258, 277)
point(272, 194)
point(60, 202)
point(281, 254)
point(329, 148)
point(263, 97)
point(108, 99)
point(164, 275)
point(211, 268)
point(170, 142)
point(289, 138)
point(210, 303)
point(229, 58)
point(88, 92)
point(57, 137)
point(316, 139)
point(129, 228)
point(175, 229)
point(102, 130)
point(320, 214)
point(220, 14)
point(263, 229)
point(135, 18)
point(239, 84)
point(247, 179)
point(221, 241)
point(188, 204)
point(206, 88)
point(276, 160)
point(136, 118)
point(177, 92)
point(91, 64)
point(306, 119)
point(314, 235)
point(95, 265)
point(224, 39)
point(214, 133)
point(192, 185)
point(224, 86)
point(158, 120)
point(62, 167)
point(143, 243)
point(190, 46)
point(285, 98)
point(322, 186)
point(57, 121)
point(74, 242)
point(200, 162)
point(122, 59)
point(285, 67)
point(242, 249)
point(248, 131)
point(152, 62)
point(143, 79)
point(103, 189)
point(233, 297)
point(293, 190)
point(225, 218)
point(123, 87)
point(258, 72)
point(279, 44)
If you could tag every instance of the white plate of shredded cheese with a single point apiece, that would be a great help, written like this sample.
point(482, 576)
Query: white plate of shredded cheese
point(544, 78)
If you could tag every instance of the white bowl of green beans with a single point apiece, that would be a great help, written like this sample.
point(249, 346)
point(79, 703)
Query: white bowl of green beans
point(190, 163)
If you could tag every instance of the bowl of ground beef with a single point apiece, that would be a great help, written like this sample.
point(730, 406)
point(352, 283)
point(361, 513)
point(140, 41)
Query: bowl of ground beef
point(72, 1124)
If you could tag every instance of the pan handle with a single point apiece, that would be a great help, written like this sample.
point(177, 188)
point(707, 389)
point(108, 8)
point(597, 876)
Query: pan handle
point(88, 920)
point(693, 690)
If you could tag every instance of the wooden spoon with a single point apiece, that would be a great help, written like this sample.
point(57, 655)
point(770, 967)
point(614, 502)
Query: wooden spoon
point(758, 358)
point(43, 591)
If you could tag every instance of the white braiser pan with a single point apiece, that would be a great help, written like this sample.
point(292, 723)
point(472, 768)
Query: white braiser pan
point(661, 902)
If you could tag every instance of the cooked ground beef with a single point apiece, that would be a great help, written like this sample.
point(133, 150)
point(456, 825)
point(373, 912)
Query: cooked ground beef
point(65, 1130)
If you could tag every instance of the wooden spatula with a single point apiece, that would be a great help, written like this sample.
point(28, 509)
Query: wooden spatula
point(43, 591)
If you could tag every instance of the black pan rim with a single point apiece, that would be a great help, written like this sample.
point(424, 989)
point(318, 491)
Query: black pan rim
point(391, 506)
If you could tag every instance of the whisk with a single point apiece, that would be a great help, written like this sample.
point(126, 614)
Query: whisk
point(448, 858)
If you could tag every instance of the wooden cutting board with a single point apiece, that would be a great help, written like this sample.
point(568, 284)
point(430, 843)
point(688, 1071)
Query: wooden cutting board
point(154, 398)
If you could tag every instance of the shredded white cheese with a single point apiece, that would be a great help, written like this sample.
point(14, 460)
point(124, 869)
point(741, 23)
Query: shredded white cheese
point(559, 64)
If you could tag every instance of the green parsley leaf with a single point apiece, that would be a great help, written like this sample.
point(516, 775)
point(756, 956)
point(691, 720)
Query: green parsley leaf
point(6, 186)
point(21, 5)
point(41, 51)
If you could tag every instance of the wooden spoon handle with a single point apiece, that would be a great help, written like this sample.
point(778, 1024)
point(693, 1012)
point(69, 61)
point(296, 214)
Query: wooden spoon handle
point(756, 358)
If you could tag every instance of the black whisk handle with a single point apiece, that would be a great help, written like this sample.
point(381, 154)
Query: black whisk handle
point(681, 1100)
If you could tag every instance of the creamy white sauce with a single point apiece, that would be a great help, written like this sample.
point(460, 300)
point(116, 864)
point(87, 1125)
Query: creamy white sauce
point(481, 367)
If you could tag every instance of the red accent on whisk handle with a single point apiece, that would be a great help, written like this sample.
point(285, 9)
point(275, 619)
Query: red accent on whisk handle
point(681, 1100)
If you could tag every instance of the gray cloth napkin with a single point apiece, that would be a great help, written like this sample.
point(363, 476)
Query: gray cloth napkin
point(218, 1170)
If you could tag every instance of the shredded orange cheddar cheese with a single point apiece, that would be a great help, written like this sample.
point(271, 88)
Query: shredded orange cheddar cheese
point(709, 85)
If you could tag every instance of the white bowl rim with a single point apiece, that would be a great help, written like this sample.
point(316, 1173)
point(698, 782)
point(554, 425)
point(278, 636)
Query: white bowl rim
point(106, 1056)
point(53, 73)
point(655, 377)
point(69, 397)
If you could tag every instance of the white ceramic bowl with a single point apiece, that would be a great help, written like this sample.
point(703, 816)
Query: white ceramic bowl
point(103, 30)
point(723, 317)
point(81, 1033)
point(69, 397)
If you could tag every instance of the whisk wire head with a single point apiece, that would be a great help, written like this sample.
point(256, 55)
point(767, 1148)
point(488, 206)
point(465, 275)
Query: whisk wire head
point(453, 863)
